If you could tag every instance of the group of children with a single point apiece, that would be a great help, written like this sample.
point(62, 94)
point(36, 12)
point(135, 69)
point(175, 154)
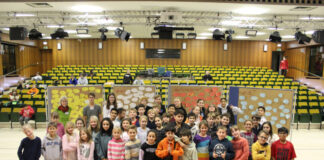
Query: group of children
point(144, 134)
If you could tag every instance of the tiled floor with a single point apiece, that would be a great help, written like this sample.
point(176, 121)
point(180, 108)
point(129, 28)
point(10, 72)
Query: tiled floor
point(309, 144)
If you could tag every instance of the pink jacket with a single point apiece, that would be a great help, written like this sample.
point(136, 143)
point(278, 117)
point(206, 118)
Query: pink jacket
point(70, 147)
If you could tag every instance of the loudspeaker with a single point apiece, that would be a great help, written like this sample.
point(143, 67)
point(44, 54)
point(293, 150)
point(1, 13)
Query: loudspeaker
point(18, 33)
point(318, 36)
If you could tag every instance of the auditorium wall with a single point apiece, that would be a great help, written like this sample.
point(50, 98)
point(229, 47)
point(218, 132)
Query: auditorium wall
point(28, 56)
point(198, 52)
point(297, 58)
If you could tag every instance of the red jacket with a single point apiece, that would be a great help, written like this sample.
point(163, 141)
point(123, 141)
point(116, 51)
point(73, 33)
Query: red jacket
point(162, 149)
point(29, 112)
point(284, 64)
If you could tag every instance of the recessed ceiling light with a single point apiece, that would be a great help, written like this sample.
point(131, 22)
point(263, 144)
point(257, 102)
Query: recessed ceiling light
point(230, 23)
point(260, 33)
point(54, 26)
point(201, 38)
point(213, 29)
point(24, 15)
point(251, 10)
point(241, 37)
point(87, 8)
point(288, 36)
point(311, 18)
point(206, 34)
point(84, 35)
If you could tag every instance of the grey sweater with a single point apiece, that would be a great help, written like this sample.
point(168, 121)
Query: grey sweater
point(190, 152)
point(52, 148)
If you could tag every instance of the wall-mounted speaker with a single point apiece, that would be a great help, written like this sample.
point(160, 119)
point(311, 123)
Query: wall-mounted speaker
point(18, 33)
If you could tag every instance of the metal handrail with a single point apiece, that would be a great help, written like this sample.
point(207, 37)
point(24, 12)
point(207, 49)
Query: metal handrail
point(315, 75)
point(19, 69)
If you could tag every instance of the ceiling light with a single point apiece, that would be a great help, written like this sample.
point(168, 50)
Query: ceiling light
point(274, 28)
point(87, 8)
point(55, 26)
point(311, 18)
point(24, 15)
point(275, 37)
point(201, 37)
point(47, 37)
point(205, 34)
point(87, 16)
point(71, 31)
point(288, 36)
point(247, 18)
point(218, 35)
point(103, 30)
point(82, 31)
point(261, 33)
point(59, 33)
point(111, 28)
point(84, 35)
point(34, 34)
point(213, 29)
point(302, 38)
point(179, 35)
point(231, 23)
point(252, 33)
point(241, 37)
point(309, 32)
point(251, 10)
point(6, 29)
point(192, 35)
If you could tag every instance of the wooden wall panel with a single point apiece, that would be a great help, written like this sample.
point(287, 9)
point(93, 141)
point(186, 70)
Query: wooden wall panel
point(198, 52)
point(297, 58)
point(26, 55)
point(1, 68)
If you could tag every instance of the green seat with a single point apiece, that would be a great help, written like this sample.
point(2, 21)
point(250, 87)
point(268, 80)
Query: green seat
point(40, 115)
point(14, 116)
point(5, 114)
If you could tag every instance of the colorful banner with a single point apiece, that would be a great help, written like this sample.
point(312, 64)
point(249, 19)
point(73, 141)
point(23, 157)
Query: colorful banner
point(190, 94)
point(77, 99)
point(277, 102)
point(128, 96)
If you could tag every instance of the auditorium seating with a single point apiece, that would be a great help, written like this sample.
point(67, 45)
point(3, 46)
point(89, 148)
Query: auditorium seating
point(308, 102)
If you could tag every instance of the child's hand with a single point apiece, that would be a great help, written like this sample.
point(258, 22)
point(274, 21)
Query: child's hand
point(215, 155)
point(224, 155)
point(183, 145)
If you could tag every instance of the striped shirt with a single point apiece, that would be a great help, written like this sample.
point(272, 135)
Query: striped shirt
point(116, 149)
point(132, 149)
point(202, 144)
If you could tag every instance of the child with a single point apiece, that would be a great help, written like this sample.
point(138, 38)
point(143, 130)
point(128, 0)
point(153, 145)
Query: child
point(30, 147)
point(261, 149)
point(141, 110)
point(70, 142)
point(156, 109)
point(256, 124)
point(86, 147)
point(211, 125)
point(121, 114)
point(240, 145)
point(108, 105)
point(151, 116)
point(196, 111)
point(92, 109)
point(158, 103)
point(193, 126)
point(132, 147)
point(102, 139)
point(201, 105)
point(113, 117)
point(160, 134)
point(224, 108)
point(60, 128)
point(211, 109)
point(217, 120)
point(220, 148)
point(133, 117)
point(79, 123)
point(168, 148)
point(166, 119)
point(249, 135)
point(142, 130)
point(94, 127)
point(267, 127)
point(283, 149)
point(179, 124)
point(116, 146)
point(52, 144)
point(148, 148)
point(125, 123)
point(261, 112)
point(225, 120)
point(171, 111)
point(202, 141)
point(189, 151)
point(26, 113)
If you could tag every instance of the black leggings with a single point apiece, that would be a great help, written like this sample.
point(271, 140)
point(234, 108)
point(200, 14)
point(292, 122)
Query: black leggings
point(284, 72)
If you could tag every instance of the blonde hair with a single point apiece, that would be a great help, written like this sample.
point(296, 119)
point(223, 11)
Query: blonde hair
point(88, 136)
point(64, 98)
point(117, 129)
point(234, 128)
point(142, 117)
point(68, 125)
point(27, 126)
point(151, 110)
point(143, 98)
point(94, 118)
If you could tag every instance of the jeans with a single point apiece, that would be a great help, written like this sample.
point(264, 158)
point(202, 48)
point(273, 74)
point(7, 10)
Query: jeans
point(23, 119)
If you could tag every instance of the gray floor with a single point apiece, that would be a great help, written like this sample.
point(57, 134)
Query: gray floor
point(309, 144)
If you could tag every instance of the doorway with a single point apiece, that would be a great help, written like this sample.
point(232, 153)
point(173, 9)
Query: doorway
point(276, 58)
point(316, 59)
point(8, 58)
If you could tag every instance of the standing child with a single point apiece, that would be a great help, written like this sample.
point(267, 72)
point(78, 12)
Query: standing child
point(211, 125)
point(108, 105)
point(256, 120)
point(30, 147)
point(52, 144)
point(196, 111)
point(166, 119)
point(92, 109)
point(191, 123)
point(189, 149)
point(151, 116)
point(132, 147)
point(86, 146)
point(261, 113)
point(148, 148)
point(94, 127)
point(116, 146)
point(133, 117)
point(125, 123)
point(283, 149)
point(179, 123)
point(70, 142)
point(240, 145)
point(168, 148)
point(171, 111)
point(141, 110)
point(113, 117)
point(267, 127)
point(26, 113)
point(201, 105)
point(79, 123)
point(261, 149)
point(142, 130)
point(249, 135)
point(60, 127)
point(220, 148)
point(211, 109)
point(160, 134)
point(202, 141)
point(102, 139)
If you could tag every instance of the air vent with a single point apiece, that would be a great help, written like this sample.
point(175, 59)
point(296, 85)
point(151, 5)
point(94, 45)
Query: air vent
point(39, 5)
point(302, 8)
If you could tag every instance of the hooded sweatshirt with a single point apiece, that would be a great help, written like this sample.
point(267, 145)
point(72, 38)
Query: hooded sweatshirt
point(190, 152)
point(219, 147)
point(261, 152)
point(101, 145)
point(52, 148)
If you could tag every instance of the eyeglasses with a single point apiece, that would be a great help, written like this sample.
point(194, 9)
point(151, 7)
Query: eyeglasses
point(265, 138)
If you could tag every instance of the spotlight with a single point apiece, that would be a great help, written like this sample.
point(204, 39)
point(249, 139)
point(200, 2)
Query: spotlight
point(179, 35)
point(302, 38)
point(34, 34)
point(275, 37)
point(229, 38)
point(218, 35)
point(125, 36)
point(318, 36)
point(118, 32)
point(192, 35)
point(59, 33)
point(103, 31)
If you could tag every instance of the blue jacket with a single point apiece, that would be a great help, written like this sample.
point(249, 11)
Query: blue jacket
point(221, 146)
point(74, 81)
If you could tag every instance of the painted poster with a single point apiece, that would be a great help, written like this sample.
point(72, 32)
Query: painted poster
point(190, 94)
point(77, 98)
point(277, 102)
point(128, 96)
